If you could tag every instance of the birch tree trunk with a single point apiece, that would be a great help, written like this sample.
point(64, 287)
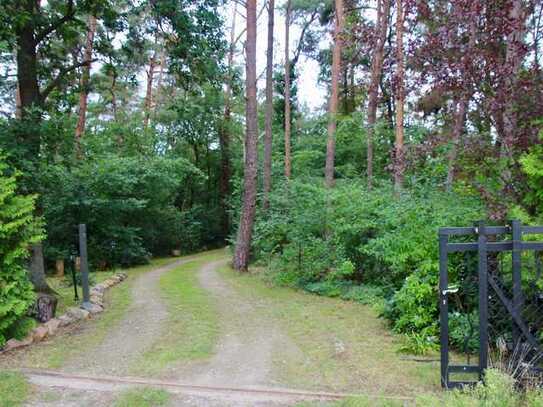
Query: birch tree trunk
point(288, 165)
point(333, 103)
point(248, 211)
point(268, 136)
point(400, 100)
point(84, 83)
point(383, 13)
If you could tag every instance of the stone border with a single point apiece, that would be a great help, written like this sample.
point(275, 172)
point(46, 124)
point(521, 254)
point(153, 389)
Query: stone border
point(72, 314)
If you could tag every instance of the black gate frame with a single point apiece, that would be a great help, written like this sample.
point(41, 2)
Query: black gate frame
point(483, 246)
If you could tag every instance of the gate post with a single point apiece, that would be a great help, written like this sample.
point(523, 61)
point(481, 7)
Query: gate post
point(444, 309)
point(517, 277)
point(483, 296)
point(84, 264)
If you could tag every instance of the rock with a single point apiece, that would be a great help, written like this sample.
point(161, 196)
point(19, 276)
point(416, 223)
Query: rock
point(99, 287)
point(40, 333)
point(95, 299)
point(94, 308)
point(65, 320)
point(15, 343)
point(78, 313)
point(52, 326)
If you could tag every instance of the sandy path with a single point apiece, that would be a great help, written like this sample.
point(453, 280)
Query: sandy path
point(137, 331)
point(244, 354)
point(243, 357)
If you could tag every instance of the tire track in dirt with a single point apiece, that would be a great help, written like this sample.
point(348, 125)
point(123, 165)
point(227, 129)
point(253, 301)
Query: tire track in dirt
point(140, 327)
point(249, 341)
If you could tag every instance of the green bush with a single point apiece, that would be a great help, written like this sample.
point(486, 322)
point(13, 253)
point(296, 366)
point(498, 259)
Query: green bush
point(128, 204)
point(18, 229)
point(336, 242)
point(463, 331)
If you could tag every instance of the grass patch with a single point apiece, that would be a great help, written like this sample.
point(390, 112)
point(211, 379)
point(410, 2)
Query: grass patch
point(339, 345)
point(145, 397)
point(193, 326)
point(53, 353)
point(14, 389)
point(357, 402)
point(66, 297)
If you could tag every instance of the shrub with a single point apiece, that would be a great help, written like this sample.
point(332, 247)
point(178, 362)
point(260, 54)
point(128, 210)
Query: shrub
point(498, 390)
point(127, 203)
point(329, 241)
point(18, 229)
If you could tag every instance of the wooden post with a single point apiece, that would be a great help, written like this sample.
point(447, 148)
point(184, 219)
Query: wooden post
point(59, 266)
point(84, 264)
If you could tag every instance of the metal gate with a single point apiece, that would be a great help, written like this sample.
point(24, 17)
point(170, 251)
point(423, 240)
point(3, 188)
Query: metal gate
point(490, 299)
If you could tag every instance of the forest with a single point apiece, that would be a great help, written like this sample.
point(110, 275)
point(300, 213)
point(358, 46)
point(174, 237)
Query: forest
point(175, 125)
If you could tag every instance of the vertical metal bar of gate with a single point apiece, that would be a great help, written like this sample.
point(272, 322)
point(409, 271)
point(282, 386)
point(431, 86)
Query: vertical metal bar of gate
point(516, 277)
point(444, 308)
point(483, 296)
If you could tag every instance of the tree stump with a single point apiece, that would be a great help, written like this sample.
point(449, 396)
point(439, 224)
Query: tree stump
point(44, 308)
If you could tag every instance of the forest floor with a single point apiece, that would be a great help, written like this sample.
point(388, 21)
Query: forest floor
point(191, 332)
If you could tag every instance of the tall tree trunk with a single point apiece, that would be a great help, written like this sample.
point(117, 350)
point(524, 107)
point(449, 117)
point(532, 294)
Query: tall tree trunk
point(245, 231)
point(156, 99)
point(149, 91)
point(383, 12)
point(513, 63)
point(224, 134)
point(29, 95)
point(268, 136)
point(18, 106)
point(84, 83)
point(27, 73)
point(400, 100)
point(288, 164)
point(458, 127)
point(333, 103)
point(36, 270)
point(461, 110)
point(113, 91)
